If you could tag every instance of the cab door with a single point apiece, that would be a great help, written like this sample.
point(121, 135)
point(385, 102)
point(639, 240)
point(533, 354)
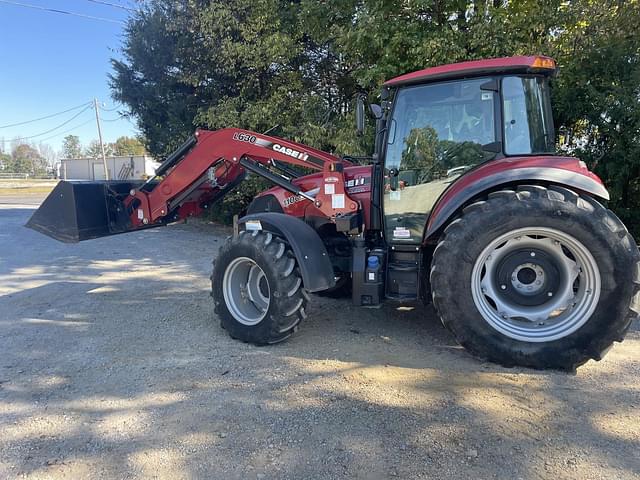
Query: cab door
point(436, 133)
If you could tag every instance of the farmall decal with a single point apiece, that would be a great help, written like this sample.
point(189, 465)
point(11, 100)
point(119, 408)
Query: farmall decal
point(290, 151)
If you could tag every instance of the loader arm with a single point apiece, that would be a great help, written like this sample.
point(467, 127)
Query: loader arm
point(200, 172)
point(219, 159)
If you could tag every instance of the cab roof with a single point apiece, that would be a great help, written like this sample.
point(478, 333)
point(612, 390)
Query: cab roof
point(521, 64)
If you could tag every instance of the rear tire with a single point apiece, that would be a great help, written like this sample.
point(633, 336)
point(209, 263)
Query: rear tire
point(537, 277)
point(257, 288)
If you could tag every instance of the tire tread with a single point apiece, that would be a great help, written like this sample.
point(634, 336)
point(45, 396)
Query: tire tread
point(447, 252)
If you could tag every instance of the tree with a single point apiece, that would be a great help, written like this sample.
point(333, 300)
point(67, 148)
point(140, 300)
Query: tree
point(95, 151)
point(258, 63)
point(71, 147)
point(155, 86)
point(124, 146)
point(48, 153)
point(5, 160)
point(597, 97)
point(27, 159)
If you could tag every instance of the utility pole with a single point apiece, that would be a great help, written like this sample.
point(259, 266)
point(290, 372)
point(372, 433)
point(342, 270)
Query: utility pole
point(104, 158)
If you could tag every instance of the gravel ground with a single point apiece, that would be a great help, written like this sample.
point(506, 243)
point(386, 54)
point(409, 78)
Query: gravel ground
point(112, 365)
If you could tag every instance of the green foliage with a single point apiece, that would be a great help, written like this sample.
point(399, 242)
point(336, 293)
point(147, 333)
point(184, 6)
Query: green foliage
point(24, 159)
point(71, 147)
point(95, 151)
point(125, 146)
point(260, 63)
point(5, 160)
point(238, 199)
point(597, 98)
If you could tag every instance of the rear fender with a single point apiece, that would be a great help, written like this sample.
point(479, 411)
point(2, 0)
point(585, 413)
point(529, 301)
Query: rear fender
point(563, 171)
point(311, 254)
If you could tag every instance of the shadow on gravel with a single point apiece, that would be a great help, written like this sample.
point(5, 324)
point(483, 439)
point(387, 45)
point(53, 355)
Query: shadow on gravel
point(113, 365)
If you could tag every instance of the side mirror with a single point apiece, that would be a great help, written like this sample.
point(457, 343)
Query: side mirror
point(360, 115)
point(376, 111)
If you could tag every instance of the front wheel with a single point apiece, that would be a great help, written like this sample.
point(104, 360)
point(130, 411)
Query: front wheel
point(257, 288)
point(537, 277)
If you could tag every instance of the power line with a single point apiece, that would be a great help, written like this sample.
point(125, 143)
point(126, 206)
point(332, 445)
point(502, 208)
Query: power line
point(45, 117)
point(67, 131)
point(109, 4)
point(64, 12)
point(57, 127)
point(113, 119)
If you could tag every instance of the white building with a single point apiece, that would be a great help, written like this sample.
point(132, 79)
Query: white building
point(136, 167)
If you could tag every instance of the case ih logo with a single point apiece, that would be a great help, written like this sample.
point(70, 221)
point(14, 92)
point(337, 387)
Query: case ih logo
point(290, 151)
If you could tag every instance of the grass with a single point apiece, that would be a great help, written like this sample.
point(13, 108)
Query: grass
point(25, 187)
point(24, 191)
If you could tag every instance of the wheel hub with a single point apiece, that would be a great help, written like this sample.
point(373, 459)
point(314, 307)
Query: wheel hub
point(528, 276)
point(535, 284)
point(246, 292)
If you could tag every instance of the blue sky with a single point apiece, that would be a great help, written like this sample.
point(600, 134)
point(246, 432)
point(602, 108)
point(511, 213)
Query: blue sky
point(50, 62)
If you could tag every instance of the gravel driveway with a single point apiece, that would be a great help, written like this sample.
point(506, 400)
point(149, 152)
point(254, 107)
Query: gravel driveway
point(112, 365)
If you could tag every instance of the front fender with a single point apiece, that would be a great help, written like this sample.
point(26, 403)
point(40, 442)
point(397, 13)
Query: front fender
point(311, 254)
point(565, 171)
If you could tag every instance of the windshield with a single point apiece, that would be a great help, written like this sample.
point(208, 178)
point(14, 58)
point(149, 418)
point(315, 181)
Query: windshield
point(528, 126)
point(439, 127)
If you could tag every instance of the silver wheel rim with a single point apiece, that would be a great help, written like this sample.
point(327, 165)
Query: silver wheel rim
point(536, 284)
point(246, 291)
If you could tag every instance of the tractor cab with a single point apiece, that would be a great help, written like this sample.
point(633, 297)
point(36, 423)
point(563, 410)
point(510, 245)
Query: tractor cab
point(438, 125)
point(441, 122)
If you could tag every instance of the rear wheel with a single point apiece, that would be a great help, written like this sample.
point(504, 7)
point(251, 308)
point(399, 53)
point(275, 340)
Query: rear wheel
point(540, 277)
point(257, 288)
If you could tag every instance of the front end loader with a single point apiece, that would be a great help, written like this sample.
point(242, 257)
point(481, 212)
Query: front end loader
point(463, 203)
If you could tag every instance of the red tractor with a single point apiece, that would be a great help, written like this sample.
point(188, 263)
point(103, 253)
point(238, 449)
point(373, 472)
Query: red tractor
point(464, 202)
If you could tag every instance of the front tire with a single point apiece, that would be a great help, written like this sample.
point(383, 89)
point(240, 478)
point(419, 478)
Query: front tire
point(537, 277)
point(257, 288)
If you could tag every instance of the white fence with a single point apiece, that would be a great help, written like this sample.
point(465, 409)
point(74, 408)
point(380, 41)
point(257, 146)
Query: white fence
point(24, 176)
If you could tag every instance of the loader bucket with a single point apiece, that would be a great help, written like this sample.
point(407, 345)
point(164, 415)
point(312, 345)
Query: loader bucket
point(81, 210)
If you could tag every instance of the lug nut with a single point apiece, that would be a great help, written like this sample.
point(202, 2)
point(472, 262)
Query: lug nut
point(533, 254)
